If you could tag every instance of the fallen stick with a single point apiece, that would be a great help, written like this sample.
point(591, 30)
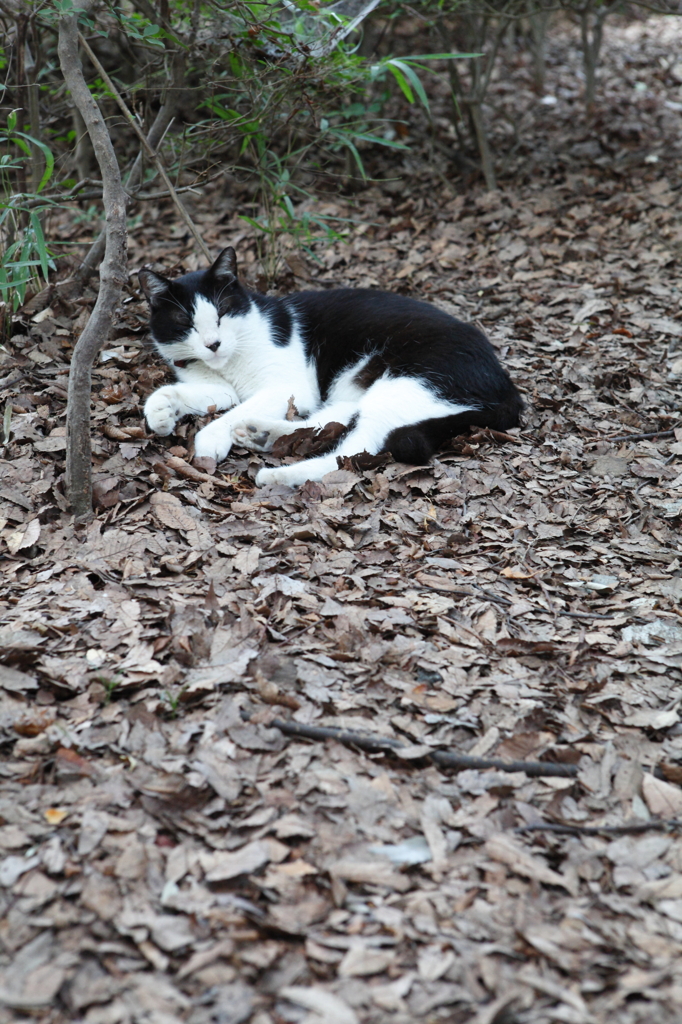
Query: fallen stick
point(449, 587)
point(645, 437)
point(657, 825)
point(192, 473)
point(460, 762)
point(488, 434)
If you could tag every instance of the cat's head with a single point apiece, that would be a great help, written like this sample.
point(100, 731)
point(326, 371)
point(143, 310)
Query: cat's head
point(195, 316)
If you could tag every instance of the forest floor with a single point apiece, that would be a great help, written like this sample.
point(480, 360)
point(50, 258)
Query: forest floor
point(169, 854)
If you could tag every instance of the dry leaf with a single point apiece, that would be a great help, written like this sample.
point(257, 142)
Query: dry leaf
point(169, 511)
point(328, 1008)
point(55, 815)
point(508, 851)
point(24, 538)
point(662, 798)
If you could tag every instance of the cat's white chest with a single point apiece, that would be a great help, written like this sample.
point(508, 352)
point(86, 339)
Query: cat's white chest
point(259, 363)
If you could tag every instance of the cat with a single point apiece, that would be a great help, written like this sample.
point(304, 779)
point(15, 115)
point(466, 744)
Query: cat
point(402, 375)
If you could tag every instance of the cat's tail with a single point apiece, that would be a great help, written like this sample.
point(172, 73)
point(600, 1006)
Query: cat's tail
point(416, 443)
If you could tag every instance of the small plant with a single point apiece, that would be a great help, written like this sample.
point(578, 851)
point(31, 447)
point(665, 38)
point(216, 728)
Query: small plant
point(24, 254)
point(322, 69)
point(173, 700)
point(405, 70)
point(110, 685)
point(280, 217)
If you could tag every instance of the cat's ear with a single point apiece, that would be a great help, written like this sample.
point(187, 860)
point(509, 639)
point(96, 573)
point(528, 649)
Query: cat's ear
point(153, 285)
point(225, 267)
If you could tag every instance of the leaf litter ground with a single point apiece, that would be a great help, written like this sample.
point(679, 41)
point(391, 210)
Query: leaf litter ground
point(166, 852)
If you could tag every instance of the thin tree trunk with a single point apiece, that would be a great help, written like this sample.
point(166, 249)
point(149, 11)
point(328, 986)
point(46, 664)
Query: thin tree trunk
point(113, 275)
point(538, 20)
point(591, 43)
point(22, 183)
point(487, 163)
point(472, 101)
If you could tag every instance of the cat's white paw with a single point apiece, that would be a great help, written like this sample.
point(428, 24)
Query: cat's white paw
point(162, 410)
point(213, 442)
point(266, 477)
point(298, 473)
point(259, 435)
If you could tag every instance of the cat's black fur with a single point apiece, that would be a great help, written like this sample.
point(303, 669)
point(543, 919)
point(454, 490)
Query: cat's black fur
point(409, 338)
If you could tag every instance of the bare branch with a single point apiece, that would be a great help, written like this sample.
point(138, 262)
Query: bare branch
point(444, 758)
point(151, 153)
point(154, 138)
point(645, 437)
point(632, 828)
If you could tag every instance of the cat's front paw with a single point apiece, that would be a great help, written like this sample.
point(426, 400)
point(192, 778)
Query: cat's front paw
point(162, 411)
point(259, 435)
point(298, 473)
point(266, 477)
point(213, 442)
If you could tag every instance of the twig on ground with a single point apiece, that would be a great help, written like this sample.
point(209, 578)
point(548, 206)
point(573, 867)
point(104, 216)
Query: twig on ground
point(645, 437)
point(447, 587)
point(636, 827)
point(151, 153)
point(460, 762)
point(488, 434)
point(9, 381)
point(586, 615)
point(184, 469)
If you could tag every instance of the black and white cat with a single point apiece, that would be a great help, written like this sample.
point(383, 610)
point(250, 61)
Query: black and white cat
point(402, 375)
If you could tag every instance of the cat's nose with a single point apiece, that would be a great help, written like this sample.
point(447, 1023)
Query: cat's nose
point(214, 347)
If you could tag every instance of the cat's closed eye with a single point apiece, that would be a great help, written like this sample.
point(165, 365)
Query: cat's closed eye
point(180, 317)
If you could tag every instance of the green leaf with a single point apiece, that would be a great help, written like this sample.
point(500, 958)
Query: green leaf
point(400, 79)
point(40, 244)
point(414, 79)
point(379, 141)
point(356, 157)
point(18, 141)
point(441, 56)
point(47, 153)
point(256, 224)
point(22, 264)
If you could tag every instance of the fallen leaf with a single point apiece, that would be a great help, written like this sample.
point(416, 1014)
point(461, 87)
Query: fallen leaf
point(328, 1008)
point(508, 851)
point(24, 538)
point(662, 798)
point(55, 815)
